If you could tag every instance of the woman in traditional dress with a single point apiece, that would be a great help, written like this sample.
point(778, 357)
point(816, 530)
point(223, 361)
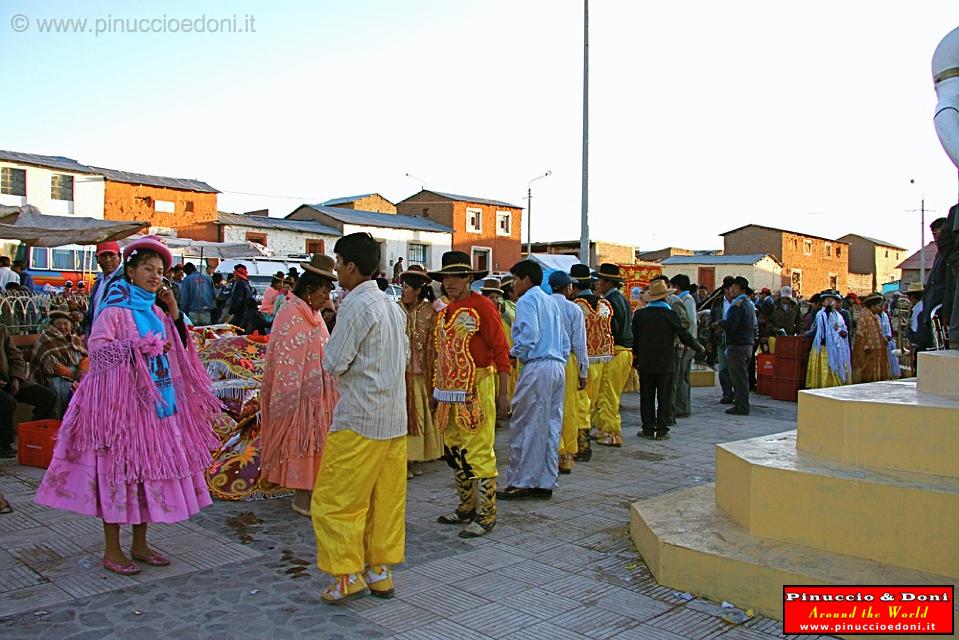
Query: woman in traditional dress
point(137, 437)
point(424, 441)
point(829, 364)
point(870, 355)
point(60, 359)
point(885, 324)
point(297, 396)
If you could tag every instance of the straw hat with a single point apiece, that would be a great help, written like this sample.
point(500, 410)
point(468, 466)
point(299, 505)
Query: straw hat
point(321, 265)
point(657, 290)
point(492, 285)
point(416, 275)
point(915, 288)
point(873, 298)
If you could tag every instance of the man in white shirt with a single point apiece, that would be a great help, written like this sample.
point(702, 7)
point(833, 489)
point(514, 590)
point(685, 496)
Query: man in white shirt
point(7, 275)
point(359, 500)
point(577, 366)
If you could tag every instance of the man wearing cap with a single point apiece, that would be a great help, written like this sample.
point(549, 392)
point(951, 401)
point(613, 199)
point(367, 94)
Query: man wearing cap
point(540, 343)
point(616, 372)
point(108, 259)
point(471, 351)
point(598, 315)
point(655, 327)
point(196, 296)
point(241, 296)
point(786, 319)
point(577, 366)
point(870, 362)
point(739, 325)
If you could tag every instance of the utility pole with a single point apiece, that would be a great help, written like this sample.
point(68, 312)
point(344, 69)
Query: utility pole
point(584, 207)
point(922, 240)
point(529, 210)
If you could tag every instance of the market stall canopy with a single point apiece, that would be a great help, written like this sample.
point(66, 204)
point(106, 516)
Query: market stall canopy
point(202, 249)
point(31, 227)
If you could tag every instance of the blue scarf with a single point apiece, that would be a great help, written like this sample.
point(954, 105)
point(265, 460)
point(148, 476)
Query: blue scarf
point(659, 304)
point(683, 294)
point(140, 303)
point(741, 296)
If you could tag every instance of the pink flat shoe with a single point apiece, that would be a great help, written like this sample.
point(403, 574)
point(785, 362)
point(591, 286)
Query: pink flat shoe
point(123, 569)
point(154, 559)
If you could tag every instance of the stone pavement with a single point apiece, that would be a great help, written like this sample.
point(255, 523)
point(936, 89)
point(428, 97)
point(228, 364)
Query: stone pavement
point(562, 569)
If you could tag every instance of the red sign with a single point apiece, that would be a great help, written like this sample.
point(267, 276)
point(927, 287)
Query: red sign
point(872, 610)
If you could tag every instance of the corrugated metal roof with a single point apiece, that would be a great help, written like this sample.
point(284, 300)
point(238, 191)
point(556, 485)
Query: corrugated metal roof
point(881, 243)
point(52, 162)
point(913, 262)
point(183, 184)
point(752, 258)
point(458, 198)
point(372, 219)
point(797, 233)
point(263, 222)
point(336, 201)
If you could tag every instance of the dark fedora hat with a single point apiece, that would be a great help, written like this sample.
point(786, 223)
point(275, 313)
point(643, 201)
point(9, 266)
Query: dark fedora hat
point(609, 271)
point(456, 263)
point(581, 274)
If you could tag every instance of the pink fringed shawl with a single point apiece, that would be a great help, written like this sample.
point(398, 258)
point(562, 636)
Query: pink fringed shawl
point(297, 396)
point(113, 412)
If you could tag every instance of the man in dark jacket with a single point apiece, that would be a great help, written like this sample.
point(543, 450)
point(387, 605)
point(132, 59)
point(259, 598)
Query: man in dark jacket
point(654, 329)
point(242, 294)
point(717, 311)
point(15, 388)
point(739, 323)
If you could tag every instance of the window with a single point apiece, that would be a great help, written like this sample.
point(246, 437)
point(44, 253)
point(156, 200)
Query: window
point(416, 254)
point(315, 246)
point(807, 247)
point(13, 182)
point(39, 258)
point(828, 250)
point(426, 212)
point(474, 220)
point(795, 244)
point(64, 259)
point(887, 253)
point(189, 206)
point(834, 282)
point(504, 223)
point(164, 206)
point(61, 187)
point(259, 238)
point(838, 252)
point(796, 281)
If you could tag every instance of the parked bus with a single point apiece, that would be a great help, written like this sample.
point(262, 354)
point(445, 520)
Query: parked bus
point(55, 265)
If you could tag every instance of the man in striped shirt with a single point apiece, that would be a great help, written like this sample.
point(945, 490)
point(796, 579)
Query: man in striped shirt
point(359, 500)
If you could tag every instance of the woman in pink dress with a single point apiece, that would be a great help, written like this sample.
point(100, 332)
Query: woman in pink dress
point(137, 436)
point(297, 396)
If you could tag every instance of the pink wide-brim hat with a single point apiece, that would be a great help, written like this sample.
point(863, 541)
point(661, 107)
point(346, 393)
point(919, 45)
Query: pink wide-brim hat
point(154, 243)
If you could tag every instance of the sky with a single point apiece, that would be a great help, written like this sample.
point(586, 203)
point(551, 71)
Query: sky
point(704, 116)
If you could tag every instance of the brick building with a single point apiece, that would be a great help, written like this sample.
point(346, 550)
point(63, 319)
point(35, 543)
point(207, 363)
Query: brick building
point(599, 251)
point(874, 258)
point(487, 230)
point(810, 263)
point(366, 202)
point(166, 203)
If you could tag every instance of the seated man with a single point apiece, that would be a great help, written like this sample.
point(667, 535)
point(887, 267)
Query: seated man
point(14, 388)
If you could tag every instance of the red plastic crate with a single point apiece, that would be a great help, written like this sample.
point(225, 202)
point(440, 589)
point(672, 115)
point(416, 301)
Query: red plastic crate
point(787, 390)
point(793, 347)
point(765, 365)
point(791, 369)
point(35, 442)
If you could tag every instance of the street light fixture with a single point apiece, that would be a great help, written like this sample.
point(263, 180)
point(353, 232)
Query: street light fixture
point(529, 212)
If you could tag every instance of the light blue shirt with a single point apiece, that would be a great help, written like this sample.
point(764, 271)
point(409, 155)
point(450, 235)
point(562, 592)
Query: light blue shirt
point(538, 332)
point(574, 321)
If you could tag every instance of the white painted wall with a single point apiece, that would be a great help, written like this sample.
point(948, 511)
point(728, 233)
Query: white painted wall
point(765, 273)
point(87, 192)
point(280, 241)
point(397, 241)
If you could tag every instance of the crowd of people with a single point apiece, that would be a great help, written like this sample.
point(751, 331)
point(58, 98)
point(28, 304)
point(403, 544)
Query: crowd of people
point(357, 393)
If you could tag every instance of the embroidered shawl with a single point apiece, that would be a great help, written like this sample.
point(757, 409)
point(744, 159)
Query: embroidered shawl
point(419, 331)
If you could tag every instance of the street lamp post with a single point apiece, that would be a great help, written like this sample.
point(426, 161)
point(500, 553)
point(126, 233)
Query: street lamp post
point(922, 237)
point(529, 212)
point(584, 202)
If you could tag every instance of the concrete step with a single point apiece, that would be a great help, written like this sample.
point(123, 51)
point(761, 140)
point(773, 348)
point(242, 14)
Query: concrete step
point(885, 425)
point(772, 490)
point(939, 373)
point(690, 544)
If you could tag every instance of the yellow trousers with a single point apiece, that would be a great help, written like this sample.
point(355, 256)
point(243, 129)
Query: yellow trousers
point(572, 408)
point(359, 503)
point(472, 450)
point(428, 444)
point(611, 386)
point(596, 372)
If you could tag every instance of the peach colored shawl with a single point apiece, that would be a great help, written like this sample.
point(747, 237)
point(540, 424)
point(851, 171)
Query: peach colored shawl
point(297, 396)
